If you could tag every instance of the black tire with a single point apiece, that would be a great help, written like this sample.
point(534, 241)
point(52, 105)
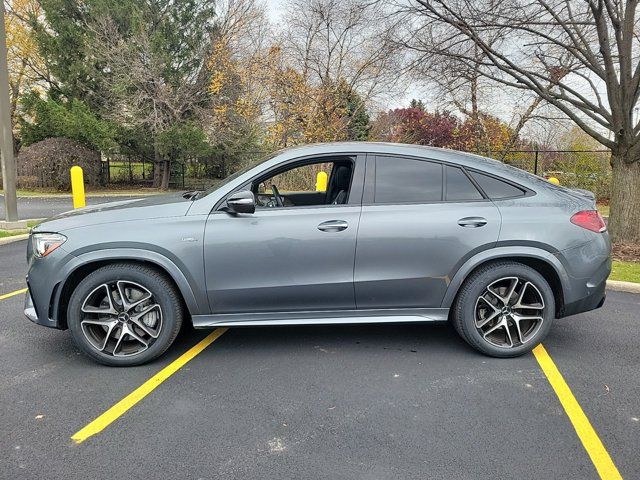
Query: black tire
point(463, 315)
point(163, 294)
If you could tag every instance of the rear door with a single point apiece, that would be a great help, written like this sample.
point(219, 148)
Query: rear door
point(420, 221)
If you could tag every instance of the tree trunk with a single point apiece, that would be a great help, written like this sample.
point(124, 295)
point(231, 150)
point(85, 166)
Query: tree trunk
point(166, 174)
point(475, 110)
point(157, 174)
point(624, 220)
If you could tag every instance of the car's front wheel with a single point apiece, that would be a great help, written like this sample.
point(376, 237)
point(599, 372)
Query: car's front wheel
point(124, 314)
point(504, 309)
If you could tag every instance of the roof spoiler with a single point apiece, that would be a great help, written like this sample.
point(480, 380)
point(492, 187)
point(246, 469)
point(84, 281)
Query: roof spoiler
point(585, 193)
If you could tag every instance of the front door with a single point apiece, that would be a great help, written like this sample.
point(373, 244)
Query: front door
point(284, 257)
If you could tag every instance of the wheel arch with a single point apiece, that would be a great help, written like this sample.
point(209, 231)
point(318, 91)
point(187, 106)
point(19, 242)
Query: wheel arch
point(545, 263)
point(87, 263)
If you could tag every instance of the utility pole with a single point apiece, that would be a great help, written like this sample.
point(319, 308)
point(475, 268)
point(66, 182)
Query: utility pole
point(6, 134)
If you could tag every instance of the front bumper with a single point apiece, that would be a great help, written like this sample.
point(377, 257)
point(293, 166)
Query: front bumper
point(35, 316)
point(29, 308)
point(43, 288)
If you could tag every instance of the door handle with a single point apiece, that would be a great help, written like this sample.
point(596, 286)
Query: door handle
point(472, 222)
point(333, 226)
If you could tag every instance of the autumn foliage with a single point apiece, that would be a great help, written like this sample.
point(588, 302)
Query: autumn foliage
point(25, 64)
point(484, 134)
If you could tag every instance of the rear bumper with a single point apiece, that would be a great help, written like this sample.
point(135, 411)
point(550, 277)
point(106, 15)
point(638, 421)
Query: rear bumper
point(593, 291)
point(592, 301)
point(586, 269)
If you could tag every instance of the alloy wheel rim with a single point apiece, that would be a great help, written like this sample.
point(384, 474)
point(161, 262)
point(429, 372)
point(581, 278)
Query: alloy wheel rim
point(121, 318)
point(509, 312)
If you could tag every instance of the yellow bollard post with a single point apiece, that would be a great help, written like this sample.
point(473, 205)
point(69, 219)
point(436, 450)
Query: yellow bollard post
point(553, 180)
point(77, 187)
point(321, 181)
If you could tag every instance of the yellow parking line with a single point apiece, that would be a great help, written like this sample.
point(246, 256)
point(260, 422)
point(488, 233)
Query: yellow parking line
point(587, 435)
point(120, 408)
point(12, 294)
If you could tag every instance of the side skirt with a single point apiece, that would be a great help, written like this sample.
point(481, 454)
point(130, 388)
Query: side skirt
point(326, 317)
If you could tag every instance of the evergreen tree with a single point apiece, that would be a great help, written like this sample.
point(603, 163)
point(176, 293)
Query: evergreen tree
point(418, 104)
point(141, 64)
point(355, 113)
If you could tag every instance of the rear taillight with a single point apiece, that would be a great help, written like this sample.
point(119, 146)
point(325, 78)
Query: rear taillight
point(589, 219)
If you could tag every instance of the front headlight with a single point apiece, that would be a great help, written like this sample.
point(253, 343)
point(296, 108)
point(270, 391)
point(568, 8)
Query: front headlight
point(45, 243)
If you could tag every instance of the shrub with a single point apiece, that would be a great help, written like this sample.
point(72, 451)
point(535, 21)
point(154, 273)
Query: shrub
point(46, 164)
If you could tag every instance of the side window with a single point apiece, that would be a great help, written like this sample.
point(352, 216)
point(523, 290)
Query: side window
point(311, 184)
point(300, 179)
point(459, 187)
point(496, 189)
point(404, 180)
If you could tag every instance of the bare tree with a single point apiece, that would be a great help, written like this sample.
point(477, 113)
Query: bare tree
point(581, 57)
point(239, 83)
point(27, 71)
point(330, 41)
point(457, 82)
point(453, 83)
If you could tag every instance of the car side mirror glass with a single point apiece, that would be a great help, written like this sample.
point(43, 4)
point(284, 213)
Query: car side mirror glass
point(242, 202)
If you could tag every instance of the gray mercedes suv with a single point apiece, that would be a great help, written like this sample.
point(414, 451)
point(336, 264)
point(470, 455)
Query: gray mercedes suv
point(400, 233)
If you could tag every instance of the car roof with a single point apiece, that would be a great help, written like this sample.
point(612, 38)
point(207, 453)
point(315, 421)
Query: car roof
point(434, 153)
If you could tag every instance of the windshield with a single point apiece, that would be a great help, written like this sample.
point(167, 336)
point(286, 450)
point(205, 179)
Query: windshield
point(235, 175)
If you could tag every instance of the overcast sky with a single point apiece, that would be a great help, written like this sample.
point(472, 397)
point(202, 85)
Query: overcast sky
point(502, 101)
point(275, 9)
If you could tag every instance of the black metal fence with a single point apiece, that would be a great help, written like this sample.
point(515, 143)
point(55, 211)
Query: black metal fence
point(195, 173)
point(588, 169)
point(124, 170)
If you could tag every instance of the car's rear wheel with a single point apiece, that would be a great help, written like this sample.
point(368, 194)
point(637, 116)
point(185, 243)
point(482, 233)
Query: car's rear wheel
point(124, 314)
point(504, 309)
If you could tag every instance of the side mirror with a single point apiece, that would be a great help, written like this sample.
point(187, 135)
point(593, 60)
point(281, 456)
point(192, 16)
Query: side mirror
point(242, 202)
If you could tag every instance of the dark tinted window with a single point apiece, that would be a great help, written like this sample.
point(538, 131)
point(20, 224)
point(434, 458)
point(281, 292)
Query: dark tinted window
point(402, 180)
point(495, 188)
point(459, 187)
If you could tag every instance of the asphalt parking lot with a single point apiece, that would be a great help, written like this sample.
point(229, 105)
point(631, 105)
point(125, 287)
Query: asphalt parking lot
point(375, 402)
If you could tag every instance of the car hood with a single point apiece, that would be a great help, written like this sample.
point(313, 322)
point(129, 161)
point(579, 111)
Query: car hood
point(156, 206)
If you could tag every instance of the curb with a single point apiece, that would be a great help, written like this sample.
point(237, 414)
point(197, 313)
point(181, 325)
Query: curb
point(619, 286)
point(133, 195)
point(14, 238)
point(48, 196)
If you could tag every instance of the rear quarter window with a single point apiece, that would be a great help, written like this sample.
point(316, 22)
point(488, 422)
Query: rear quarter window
point(496, 188)
point(458, 186)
